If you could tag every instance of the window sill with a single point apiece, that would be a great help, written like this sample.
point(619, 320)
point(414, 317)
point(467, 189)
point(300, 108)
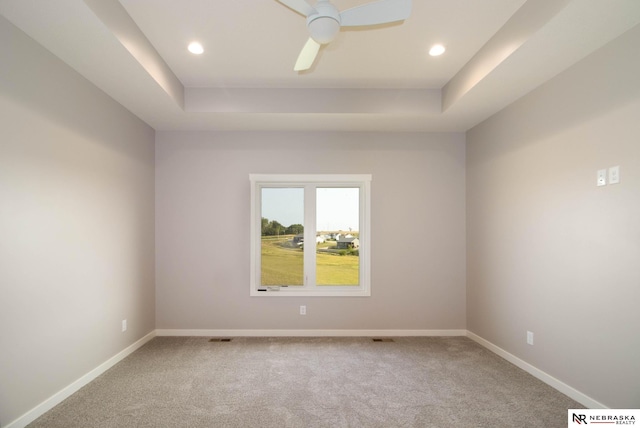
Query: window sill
point(310, 293)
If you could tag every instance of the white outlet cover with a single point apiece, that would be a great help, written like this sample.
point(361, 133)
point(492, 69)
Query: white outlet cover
point(614, 175)
point(602, 177)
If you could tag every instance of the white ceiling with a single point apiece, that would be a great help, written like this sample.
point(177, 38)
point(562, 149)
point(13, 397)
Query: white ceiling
point(374, 79)
point(253, 43)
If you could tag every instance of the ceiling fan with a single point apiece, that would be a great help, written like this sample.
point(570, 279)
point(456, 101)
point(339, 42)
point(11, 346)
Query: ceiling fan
point(324, 21)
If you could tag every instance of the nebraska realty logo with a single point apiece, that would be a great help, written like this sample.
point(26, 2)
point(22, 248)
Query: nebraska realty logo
point(599, 417)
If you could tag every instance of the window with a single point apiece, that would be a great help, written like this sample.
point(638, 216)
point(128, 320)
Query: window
point(310, 235)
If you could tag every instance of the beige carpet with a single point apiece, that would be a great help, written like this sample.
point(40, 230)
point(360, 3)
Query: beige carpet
point(312, 382)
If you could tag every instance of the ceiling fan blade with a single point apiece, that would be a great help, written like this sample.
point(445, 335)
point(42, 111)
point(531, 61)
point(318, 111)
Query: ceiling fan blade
point(307, 55)
point(377, 12)
point(300, 6)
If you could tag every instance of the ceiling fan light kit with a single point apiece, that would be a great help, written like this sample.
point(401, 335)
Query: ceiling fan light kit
point(324, 25)
point(323, 30)
point(324, 21)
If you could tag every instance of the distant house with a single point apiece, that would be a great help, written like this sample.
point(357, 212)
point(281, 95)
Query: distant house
point(347, 243)
point(299, 239)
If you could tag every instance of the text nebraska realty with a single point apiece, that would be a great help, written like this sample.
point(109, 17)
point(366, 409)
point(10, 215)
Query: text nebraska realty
point(605, 419)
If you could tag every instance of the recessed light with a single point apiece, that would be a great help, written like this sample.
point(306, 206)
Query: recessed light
point(195, 48)
point(436, 50)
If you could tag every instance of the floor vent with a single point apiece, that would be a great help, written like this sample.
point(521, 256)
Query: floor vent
point(385, 339)
point(224, 339)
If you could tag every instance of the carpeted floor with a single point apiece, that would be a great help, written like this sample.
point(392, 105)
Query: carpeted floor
point(312, 382)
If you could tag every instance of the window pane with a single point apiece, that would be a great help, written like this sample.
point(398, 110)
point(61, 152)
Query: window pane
point(338, 237)
point(282, 240)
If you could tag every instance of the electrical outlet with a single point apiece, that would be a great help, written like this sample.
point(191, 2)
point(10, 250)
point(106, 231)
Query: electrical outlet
point(303, 310)
point(602, 177)
point(124, 325)
point(530, 337)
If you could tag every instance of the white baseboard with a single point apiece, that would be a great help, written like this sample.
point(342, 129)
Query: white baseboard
point(567, 390)
point(308, 333)
point(66, 392)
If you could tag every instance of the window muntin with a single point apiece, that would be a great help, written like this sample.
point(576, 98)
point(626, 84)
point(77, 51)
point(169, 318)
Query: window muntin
point(280, 250)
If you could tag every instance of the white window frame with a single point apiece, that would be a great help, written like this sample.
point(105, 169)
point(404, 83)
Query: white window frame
point(310, 182)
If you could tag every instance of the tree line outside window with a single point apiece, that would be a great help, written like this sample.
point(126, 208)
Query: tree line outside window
point(273, 228)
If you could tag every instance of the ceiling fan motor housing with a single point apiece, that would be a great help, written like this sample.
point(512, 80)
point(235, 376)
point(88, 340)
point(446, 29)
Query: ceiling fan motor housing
point(325, 24)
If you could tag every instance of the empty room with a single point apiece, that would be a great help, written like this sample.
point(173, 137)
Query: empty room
point(297, 213)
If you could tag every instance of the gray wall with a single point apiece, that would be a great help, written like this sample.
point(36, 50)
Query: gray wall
point(547, 250)
point(202, 229)
point(76, 226)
